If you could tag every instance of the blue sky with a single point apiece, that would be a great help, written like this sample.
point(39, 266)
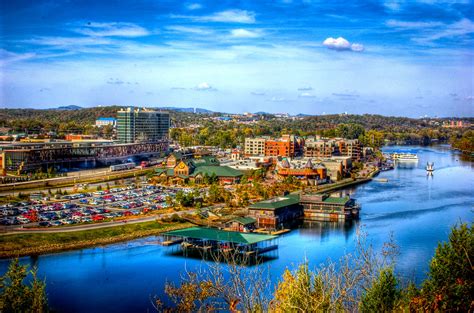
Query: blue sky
point(404, 58)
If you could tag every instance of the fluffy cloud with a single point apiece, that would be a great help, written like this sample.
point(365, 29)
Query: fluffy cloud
point(341, 44)
point(357, 47)
point(243, 33)
point(204, 86)
point(193, 6)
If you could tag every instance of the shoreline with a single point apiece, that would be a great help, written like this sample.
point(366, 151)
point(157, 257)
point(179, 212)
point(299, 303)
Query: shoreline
point(35, 250)
point(124, 235)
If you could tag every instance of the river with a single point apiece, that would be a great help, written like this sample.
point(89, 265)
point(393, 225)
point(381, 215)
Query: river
point(417, 209)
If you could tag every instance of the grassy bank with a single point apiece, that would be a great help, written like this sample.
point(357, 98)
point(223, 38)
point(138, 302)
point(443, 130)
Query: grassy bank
point(34, 244)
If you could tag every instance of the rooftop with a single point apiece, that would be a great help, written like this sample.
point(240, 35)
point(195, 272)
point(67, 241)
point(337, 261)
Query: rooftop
point(219, 235)
point(336, 200)
point(276, 203)
point(244, 220)
point(219, 171)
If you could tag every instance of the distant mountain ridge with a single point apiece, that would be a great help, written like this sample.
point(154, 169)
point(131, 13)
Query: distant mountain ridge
point(68, 107)
point(188, 110)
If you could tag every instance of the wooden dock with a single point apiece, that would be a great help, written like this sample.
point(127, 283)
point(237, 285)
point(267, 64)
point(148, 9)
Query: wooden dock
point(172, 242)
point(268, 232)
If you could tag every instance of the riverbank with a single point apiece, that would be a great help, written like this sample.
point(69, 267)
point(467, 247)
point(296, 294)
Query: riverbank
point(17, 245)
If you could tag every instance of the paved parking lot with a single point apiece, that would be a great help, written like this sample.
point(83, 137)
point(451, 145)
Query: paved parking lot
point(86, 208)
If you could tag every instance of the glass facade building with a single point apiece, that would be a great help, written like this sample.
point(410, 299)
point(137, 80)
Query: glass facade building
point(141, 125)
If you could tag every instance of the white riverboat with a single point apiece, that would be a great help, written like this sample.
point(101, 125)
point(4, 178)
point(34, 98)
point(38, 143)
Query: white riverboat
point(430, 167)
point(405, 157)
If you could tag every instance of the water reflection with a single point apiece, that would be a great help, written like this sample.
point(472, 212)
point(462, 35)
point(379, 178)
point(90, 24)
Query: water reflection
point(325, 229)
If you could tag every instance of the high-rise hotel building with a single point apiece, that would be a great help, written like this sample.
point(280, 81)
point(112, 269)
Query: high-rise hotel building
point(142, 125)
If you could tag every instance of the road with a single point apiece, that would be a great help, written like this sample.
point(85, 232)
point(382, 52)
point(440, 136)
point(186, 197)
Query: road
point(71, 179)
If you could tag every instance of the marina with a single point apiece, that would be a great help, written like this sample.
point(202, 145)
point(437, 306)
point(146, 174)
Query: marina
point(216, 243)
point(409, 206)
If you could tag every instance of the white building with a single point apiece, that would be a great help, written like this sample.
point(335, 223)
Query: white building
point(104, 121)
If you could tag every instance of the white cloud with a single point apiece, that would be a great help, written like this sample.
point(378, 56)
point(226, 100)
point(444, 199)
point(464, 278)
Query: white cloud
point(243, 33)
point(193, 6)
point(306, 95)
point(459, 28)
point(357, 47)
point(228, 16)
point(112, 30)
point(404, 24)
point(9, 57)
point(277, 99)
point(392, 5)
point(345, 95)
point(204, 86)
point(342, 44)
point(69, 41)
point(190, 30)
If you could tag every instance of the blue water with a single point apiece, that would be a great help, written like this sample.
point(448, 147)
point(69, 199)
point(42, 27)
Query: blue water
point(419, 210)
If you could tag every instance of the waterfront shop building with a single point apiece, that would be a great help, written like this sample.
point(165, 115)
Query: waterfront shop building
point(254, 146)
point(318, 147)
point(242, 224)
point(196, 170)
point(334, 169)
point(142, 125)
point(277, 212)
point(303, 170)
point(280, 211)
point(286, 146)
point(323, 207)
point(350, 147)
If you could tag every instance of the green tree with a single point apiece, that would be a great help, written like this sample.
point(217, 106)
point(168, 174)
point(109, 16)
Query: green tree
point(450, 285)
point(16, 296)
point(301, 291)
point(382, 295)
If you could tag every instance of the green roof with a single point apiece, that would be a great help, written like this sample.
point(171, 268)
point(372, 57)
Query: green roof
point(220, 171)
point(276, 203)
point(204, 161)
point(244, 220)
point(168, 171)
point(219, 235)
point(336, 200)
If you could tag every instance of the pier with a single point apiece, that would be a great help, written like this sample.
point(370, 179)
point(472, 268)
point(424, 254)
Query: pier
point(221, 243)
